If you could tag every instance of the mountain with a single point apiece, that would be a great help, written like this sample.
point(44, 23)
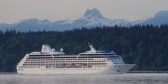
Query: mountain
point(158, 19)
point(91, 18)
point(142, 19)
point(94, 18)
point(4, 26)
point(32, 24)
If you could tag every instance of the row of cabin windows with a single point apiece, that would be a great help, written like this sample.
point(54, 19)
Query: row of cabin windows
point(95, 54)
point(28, 67)
point(118, 62)
point(58, 69)
point(67, 64)
point(64, 63)
point(76, 69)
point(61, 59)
point(71, 69)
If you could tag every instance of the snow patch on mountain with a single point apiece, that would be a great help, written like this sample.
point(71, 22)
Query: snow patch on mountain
point(95, 17)
point(91, 18)
point(143, 19)
point(67, 21)
point(147, 17)
point(159, 18)
point(162, 14)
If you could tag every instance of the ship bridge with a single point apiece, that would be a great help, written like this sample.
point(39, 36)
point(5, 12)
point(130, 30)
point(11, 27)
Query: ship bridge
point(47, 51)
point(98, 54)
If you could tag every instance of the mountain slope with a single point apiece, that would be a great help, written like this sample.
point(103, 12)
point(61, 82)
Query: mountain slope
point(158, 19)
point(91, 18)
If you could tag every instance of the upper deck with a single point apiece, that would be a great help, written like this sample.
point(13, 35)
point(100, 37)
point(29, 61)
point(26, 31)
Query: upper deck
point(47, 52)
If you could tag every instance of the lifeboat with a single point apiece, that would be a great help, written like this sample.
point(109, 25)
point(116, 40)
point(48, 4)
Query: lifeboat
point(78, 64)
point(84, 64)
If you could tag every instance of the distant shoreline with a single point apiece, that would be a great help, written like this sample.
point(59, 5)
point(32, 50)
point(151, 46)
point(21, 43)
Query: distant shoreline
point(147, 72)
point(8, 72)
point(127, 72)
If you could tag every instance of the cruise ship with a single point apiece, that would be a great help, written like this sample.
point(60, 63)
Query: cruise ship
point(49, 61)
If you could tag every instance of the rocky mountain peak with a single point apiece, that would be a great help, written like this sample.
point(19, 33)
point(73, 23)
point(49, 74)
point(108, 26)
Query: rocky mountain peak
point(91, 18)
point(45, 20)
point(94, 13)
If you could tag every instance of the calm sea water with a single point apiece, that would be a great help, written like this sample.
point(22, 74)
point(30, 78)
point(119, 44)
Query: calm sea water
point(128, 78)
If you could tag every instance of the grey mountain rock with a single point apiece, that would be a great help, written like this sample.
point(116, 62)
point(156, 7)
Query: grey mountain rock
point(158, 19)
point(91, 18)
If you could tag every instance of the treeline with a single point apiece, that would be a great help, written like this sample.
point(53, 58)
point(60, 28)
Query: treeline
point(147, 46)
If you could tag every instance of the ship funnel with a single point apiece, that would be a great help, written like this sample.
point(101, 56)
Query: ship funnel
point(46, 48)
point(61, 49)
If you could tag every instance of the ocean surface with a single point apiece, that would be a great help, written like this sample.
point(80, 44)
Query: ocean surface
point(128, 78)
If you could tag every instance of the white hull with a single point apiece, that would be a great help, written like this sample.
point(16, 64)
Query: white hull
point(110, 69)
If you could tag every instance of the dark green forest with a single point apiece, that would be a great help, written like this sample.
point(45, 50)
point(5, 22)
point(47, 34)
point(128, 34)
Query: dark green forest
point(145, 45)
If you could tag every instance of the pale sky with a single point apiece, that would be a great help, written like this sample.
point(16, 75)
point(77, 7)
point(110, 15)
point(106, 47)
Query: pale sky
point(12, 11)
